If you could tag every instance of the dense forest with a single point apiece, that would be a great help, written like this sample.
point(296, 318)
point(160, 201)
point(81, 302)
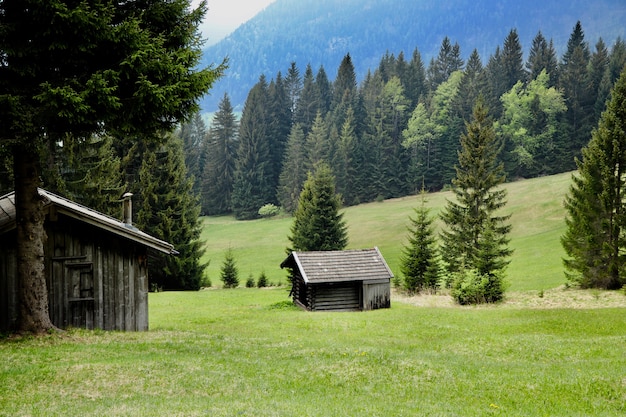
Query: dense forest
point(321, 32)
point(398, 130)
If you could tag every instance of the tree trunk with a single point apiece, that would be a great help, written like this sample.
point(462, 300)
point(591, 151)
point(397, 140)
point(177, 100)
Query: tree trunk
point(33, 293)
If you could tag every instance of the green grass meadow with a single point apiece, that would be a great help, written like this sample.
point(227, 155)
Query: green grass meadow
point(250, 352)
point(245, 352)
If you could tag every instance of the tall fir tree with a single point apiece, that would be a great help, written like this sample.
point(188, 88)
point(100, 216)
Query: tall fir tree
point(598, 65)
point(293, 85)
point(474, 216)
point(345, 163)
point(170, 211)
point(279, 123)
point(318, 225)
point(448, 61)
point(617, 61)
point(512, 60)
point(574, 80)
point(193, 133)
point(219, 169)
point(419, 261)
point(307, 105)
point(252, 187)
point(595, 238)
point(294, 170)
point(542, 56)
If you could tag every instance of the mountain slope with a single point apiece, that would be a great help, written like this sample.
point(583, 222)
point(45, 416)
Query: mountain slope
point(321, 32)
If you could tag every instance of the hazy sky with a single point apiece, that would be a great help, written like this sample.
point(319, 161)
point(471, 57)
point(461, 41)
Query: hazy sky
point(224, 16)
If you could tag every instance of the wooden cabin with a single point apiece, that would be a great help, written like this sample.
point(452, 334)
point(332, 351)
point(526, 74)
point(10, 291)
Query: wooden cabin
point(95, 265)
point(349, 280)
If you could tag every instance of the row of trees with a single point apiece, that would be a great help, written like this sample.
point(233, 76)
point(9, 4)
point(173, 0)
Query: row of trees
point(399, 129)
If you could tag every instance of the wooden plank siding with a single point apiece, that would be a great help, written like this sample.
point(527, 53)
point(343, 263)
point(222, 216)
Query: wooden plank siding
point(95, 281)
point(96, 267)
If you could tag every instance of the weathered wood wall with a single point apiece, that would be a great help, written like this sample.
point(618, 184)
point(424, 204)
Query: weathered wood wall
point(376, 294)
point(95, 279)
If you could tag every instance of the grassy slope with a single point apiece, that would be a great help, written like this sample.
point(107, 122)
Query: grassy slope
point(537, 219)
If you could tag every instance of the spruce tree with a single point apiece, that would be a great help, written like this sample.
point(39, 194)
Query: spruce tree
point(170, 211)
point(219, 168)
point(574, 81)
point(294, 170)
point(419, 262)
point(229, 274)
point(252, 187)
point(595, 239)
point(318, 225)
point(307, 105)
point(542, 56)
point(512, 60)
point(473, 228)
point(193, 133)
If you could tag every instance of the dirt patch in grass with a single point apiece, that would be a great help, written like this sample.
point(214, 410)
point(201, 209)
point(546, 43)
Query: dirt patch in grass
point(547, 299)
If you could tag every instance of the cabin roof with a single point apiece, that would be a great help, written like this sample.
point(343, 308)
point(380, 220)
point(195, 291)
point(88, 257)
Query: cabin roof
point(339, 266)
point(84, 214)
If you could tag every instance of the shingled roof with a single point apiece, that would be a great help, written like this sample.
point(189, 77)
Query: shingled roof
point(339, 266)
point(85, 214)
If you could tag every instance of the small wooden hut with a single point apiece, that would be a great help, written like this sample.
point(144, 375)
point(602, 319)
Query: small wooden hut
point(348, 280)
point(95, 266)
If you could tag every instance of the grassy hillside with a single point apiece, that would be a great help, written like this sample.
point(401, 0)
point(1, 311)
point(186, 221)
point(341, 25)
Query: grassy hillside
point(537, 217)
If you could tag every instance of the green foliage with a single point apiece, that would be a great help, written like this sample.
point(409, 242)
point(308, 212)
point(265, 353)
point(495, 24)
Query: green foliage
point(474, 236)
point(317, 224)
point(269, 210)
point(294, 171)
point(419, 262)
point(252, 187)
point(170, 211)
point(229, 273)
point(469, 286)
point(86, 171)
point(530, 125)
point(262, 281)
point(596, 214)
point(250, 281)
point(219, 168)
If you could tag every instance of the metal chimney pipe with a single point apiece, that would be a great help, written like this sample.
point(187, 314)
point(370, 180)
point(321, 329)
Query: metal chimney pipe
point(127, 208)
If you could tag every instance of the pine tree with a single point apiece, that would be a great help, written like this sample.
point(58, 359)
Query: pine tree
point(473, 219)
point(193, 133)
point(170, 211)
point(512, 60)
point(219, 168)
point(595, 241)
point(574, 80)
point(252, 187)
point(542, 56)
point(294, 170)
point(307, 105)
point(419, 262)
point(318, 225)
point(448, 61)
point(229, 273)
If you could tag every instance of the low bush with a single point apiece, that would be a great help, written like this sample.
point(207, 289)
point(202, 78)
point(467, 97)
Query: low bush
point(471, 287)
